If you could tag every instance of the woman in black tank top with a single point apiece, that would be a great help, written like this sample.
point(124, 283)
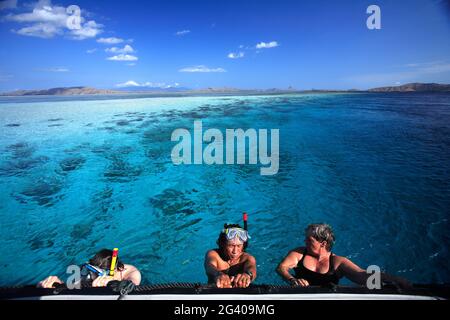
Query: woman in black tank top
point(310, 268)
point(310, 263)
point(316, 278)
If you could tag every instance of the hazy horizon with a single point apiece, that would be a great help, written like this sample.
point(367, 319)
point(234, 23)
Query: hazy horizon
point(251, 45)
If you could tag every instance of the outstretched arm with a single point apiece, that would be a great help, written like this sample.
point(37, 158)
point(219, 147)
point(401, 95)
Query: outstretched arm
point(243, 280)
point(211, 264)
point(211, 268)
point(353, 272)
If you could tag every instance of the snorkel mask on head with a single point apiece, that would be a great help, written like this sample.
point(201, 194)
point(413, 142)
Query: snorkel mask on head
point(104, 263)
point(236, 234)
point(89, 272)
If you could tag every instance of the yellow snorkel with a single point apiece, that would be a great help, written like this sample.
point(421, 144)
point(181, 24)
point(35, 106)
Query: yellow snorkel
point(113, 262)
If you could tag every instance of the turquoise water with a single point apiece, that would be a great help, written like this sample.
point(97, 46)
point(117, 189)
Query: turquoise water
point(77, 176)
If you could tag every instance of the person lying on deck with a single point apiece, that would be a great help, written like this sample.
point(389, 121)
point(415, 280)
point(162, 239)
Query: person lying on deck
point(97, 272)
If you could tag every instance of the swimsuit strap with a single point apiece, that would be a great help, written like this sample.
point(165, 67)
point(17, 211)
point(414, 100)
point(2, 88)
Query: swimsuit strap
point(331, 263)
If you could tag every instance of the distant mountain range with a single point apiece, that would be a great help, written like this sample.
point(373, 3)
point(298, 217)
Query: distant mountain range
point(64, 91)
point(69, 91)
point(415, 87)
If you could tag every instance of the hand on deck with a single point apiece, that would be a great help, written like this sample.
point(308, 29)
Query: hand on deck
point(242, 280)
point(102, 281)
point(298, 282)
point(49, 282)
point(224, 281)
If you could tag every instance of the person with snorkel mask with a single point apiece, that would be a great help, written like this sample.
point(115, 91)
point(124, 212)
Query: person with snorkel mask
point(97, 272)
point(230, 266)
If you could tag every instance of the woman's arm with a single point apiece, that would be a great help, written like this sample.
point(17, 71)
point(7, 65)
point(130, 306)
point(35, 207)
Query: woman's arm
point(288, 263)
point(353, 272)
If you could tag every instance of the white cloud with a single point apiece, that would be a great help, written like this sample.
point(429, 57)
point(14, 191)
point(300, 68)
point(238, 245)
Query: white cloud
point(8, 4)
point(42, 12)
point(56, 69)
point(89, 29)
point(40, 30)
point(182, 32)
point(238, 55)
point(122, 54)
point(111, 40)
point(59, 70)
point(132, 83)
point(5, 77)
point(423, 64)
point(415, 72)
point(126, 49)
point(46, 21)
point(201, 68)
point(123, 57)
point(127, 84)
point(91, 50)
point(267, 45)
point(433, 67)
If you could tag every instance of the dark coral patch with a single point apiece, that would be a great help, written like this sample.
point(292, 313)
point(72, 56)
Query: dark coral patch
point(121, 171)
point(72, 163)
point(44, 191)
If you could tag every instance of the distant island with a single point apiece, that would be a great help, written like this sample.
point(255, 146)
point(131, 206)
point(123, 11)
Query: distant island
point(72, 91)
point(415, 87)
point(64, 91)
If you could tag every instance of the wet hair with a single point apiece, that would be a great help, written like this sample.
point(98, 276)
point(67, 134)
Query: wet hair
point(222, 240)
point(102, 259)
point(321, 232)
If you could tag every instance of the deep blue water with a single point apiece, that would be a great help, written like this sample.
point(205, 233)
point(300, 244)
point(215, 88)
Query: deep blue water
point(77, 176)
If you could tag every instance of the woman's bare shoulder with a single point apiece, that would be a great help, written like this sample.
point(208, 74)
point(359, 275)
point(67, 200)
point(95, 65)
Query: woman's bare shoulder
point(340, 260)
point(297, 251)
point(128, 268)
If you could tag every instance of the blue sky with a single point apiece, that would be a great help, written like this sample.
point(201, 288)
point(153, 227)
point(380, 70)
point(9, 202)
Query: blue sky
point(243, 44)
